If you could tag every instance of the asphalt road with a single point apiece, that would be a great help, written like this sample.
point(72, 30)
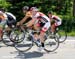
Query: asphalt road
point(66, 50)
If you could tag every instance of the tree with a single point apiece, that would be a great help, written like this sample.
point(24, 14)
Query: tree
point(73, 7)
point(4, 4)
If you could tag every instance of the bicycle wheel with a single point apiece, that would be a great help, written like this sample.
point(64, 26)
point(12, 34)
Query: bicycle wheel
point(17, 35)
point(62, 35)
point(6, 39)
point(25, 45)
point(51, 45)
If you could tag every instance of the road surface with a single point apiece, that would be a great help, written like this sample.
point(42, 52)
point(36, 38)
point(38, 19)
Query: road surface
point(66, 50)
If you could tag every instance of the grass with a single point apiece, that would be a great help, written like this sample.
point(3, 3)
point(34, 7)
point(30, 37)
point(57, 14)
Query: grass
point(72, 33)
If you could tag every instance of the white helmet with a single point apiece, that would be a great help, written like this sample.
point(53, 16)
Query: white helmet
point(1, 12)
point(34, 9)
point(25, 8)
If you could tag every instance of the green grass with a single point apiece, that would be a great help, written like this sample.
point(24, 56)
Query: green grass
point(72, 33)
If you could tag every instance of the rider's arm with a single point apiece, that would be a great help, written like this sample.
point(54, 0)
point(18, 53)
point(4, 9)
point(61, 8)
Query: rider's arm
point(31, 22)
point(28, 14)
point(23, 20)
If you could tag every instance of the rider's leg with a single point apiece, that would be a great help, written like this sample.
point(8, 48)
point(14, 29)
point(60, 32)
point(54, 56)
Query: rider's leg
point(36, 36)
point(2, 24)
point(42, 38)
point(42, 33)
point(53, 28)
point(30, 23)
point(37, 27)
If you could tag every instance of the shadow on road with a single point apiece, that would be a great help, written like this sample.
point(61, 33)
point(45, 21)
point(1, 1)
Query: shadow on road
point(28, 55)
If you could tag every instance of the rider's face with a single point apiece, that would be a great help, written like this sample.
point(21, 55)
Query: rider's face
point(24, 11)
point(34, 12)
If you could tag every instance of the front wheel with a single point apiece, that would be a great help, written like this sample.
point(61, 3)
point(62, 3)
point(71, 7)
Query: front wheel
point(17, 35)
point(62, 35)
point(6, 39)
point(51, 45)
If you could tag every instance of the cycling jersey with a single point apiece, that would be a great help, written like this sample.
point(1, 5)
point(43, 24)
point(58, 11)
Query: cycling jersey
point(57, 20)
point(3, 19)
point(44, 19)
point(10, 16)
point(41, 17)
point(11, 19)
point(28, 14)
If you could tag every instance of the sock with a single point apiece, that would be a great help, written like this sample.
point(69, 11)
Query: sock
point(42, 44)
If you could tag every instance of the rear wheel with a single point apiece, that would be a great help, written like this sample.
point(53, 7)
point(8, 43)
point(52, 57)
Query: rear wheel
point(25, 45)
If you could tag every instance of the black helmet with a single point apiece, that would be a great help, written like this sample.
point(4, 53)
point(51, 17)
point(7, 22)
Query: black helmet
point(2, 9)
point(25, 8)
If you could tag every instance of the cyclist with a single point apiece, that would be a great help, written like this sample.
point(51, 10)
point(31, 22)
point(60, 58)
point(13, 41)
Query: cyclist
point(39, 20)
point(27, 17)
point(3, 19)
point(11, 18)
point(55, 21)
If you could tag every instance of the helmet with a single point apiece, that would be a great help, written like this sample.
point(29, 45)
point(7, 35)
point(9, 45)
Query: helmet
point(49, 12)
point(1, 13)
point(25, 8)
point(34, 9)
point(2, 9)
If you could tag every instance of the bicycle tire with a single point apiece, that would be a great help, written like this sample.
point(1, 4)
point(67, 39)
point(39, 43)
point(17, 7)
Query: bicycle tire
point(17, 35)
point(6, 39)
point(62, 36)
point(25, 45)
point(49, 47)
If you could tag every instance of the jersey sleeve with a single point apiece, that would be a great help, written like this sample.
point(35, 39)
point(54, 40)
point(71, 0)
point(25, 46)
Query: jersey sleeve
point(56, 18)
point(28, 14)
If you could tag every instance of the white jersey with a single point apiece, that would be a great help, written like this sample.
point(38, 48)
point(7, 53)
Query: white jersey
point(58, 20)
point(43, 17)
point(10, 15)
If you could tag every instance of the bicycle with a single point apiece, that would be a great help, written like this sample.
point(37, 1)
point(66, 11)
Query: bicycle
point(6, 36)
point(60, 33)
point(50, 44)
point(17, 35)
point(12, 35)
